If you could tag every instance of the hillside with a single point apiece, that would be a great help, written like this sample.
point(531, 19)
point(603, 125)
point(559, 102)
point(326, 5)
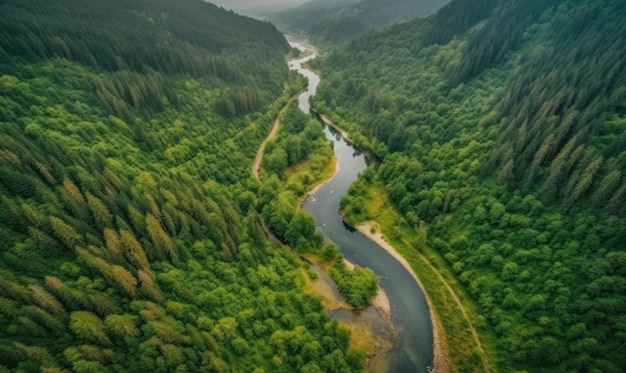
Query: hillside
point(332, 23)
point(502, 125)
point(130, 230)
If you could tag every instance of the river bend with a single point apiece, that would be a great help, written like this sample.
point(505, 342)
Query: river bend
point(413, 351)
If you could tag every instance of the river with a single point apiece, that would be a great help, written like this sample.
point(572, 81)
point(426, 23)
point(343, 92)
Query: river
point(413, 351)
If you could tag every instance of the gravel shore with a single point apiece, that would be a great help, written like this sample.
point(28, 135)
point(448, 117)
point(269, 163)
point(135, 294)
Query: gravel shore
point(441, 355)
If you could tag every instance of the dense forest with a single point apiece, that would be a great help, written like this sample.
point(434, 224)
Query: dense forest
point(502, 129)
point(332, 23)
point(296, 161)
point(131, 234)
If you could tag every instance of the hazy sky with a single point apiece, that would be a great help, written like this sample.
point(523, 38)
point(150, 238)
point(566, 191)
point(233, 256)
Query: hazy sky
point(257, 4)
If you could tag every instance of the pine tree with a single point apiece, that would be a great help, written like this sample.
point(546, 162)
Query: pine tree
point(47, 300)
point(65, 232)
point(122, 325)
point(586, 179)
point(100, 213)
point(73, 192)
point(112, 240)
point(88, 326)
point(133, 250)
point(161, 240)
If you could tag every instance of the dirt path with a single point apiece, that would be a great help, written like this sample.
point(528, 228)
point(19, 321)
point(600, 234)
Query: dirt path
point(441, 358)
point(483, 354)
point(259, 154)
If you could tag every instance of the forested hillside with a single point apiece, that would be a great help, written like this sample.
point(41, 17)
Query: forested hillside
point(502, 124)
point(130, 232)
point(332, 23)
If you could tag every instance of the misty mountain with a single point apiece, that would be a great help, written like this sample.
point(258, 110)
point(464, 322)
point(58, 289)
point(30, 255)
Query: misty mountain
point(258, 8)
point(336, 22)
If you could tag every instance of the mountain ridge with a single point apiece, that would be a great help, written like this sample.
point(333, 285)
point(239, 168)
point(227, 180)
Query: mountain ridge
point(333, 24)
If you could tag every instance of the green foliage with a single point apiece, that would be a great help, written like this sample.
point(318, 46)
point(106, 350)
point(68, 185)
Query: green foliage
point(88, 326)
point(330, 251)
point(504, 131)
point(357, 285)
point(302, 140)
point(455, 18)
point(129, 233)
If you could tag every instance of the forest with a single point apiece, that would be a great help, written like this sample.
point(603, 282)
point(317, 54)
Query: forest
point(502, 129)
point(295, 162)
point(131, 227)
point(333, 23)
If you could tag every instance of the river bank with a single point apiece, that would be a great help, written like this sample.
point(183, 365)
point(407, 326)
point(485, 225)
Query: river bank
point(371, 328)
point(441, 353)
point(410, 347)
point(327, 121)
point(317, 187)
point(441, 358)
point(380, 301)
point(365, 334)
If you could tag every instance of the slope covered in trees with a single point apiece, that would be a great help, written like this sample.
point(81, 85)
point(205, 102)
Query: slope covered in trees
point(502, 124)
point(130, 227)
point(335, 23)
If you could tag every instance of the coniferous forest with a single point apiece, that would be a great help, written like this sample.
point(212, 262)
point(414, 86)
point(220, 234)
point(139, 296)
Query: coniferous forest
point(502, 129)
point(131, 235)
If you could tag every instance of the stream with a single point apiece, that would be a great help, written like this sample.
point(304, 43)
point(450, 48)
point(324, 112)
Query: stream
point(413, 336)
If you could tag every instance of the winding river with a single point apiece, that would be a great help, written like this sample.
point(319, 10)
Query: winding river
point(413, 350)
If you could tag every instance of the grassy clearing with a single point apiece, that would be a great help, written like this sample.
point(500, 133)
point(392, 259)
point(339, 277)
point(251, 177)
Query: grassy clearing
point(317, 169)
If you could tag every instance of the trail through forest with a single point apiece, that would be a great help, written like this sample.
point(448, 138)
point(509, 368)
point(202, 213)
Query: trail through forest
point(441, 365)
point(259, 154)
point(483, 354)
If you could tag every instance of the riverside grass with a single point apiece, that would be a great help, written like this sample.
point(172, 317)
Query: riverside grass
point(465, 354)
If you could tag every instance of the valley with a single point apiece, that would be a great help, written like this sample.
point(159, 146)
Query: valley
point(162, 179)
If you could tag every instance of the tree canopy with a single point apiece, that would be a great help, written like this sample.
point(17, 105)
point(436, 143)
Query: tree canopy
point(501, 125)
point(130, 230)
